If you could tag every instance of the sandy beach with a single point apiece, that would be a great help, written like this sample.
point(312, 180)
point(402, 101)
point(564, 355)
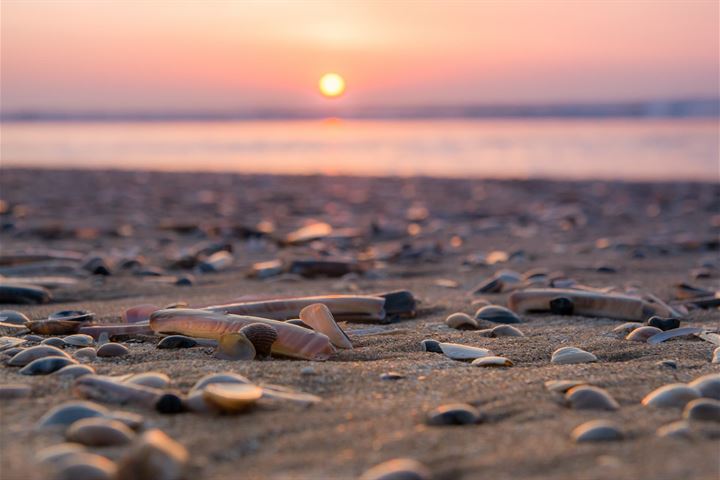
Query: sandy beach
point(439, 239)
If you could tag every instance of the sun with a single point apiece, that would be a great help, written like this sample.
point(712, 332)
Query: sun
point(331, 85)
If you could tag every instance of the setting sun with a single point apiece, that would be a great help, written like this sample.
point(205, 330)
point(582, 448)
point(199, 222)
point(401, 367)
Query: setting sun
point(331, 85)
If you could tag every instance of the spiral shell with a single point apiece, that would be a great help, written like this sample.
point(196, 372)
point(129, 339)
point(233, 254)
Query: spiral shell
point(262, 337)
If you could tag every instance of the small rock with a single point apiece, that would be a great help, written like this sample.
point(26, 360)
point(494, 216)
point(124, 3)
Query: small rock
point(391, 376)
point(454, 414)
point(307, 371)
point(461, 321)
point(664, 324)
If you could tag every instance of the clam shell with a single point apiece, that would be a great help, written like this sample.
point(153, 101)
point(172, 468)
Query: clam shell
point(319, 317)
point(84, 466)
point(569, 355)
point(74, 315)
point(112, 350)
point(85, 354)
point(708, 385)
point(150, 379)
point(398, 469)
point(642, 334)
point(703, 409)
point(14, 390)
point(505, 331)
point(262, 337)
point(454, 414)
point(496, 314)
point(74, 371)
point(153, 456)
point(587, 397)
point(674, 395)
point(627, 328)
point(212, 378)
point(56, 453)
point(232, 397)
point(492, 362)
point(461, 321)
point(677, 429)
point(33, 353)
point(14, 317)
point(597, 431)
point(79, 340)
point(44, 366)
point(99, 432)
point(562, 386)
point(235, 346)
point(54, 342)
point(463, 352)
point(70, 412)
point(195, 402)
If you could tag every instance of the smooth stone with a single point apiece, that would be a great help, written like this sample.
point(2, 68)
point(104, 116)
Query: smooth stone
point(676, 429)
point(13, 316)
point(74, 371)
point(562, 386)
point(642, 334)
point(14, 390)
point(212, 378)
point(703, 410)
point(70, 412)
point(79, 340)
point(674, 395)
point(84, 466)
point(44, 366)
point(496, 314)
point(430, 345)
point(597, 431)
point(86, 354)
point(150, 379)
point(398, 469)
point(232, 397)
point(33, 353)
point(664, 324)
point(708, 385)
point(461, 321)
point(457, 351)
point(454, 414)
point(56, 453)
point(99, 432)
point(587, 397)
point(154, 456)
point(54, 342)
point(570, 355)
point(236, 347)
point(492, 362)
point(112, 350)
point(506, 331)
point(176, 341)
point(391, 376)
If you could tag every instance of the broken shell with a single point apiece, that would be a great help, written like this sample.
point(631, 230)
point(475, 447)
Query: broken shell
point(112, 350)
point(461, 321)
point(154, 456)
point(99, 432)
point(14, 390)
point(642, 334)
point(235, 346)
point(70, 412)
point(429, 345)
point(74, 371)
point(54, 342)
point(262, 337)
point(454, 414)
point(505, 331)
point(398, 469)
point(496, 314)
point(33, 353)
point(597, 431)
point(463, 352)
point(84, 466)
point(232, 397)
point(492, 362)
point(79, 340)
point(12, 330)
point(626, 328)
point(708, 385)
point(664, 324)
point(176, 341)
point(674, 333)
point(568, 355)
point(319, 317)
point(703, 409)
point(85, 354)
point(586, 397)
point(562, 386)
point(150, 379)
point(677, 429)
point(674, 395)
point(14, 317)
point(43, 366)
point(211, 378)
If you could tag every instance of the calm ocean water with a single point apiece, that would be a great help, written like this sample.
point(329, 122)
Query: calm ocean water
point(646, 149)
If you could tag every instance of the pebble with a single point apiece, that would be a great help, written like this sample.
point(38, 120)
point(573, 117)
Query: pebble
point(391, 376)
point(13, 316)
point(44, 366)
point(14, 390)
point(708, 385)
point(642, 334)
point(176, 341)
point(33, 353)
point(587, 397)
point(677, 429)
point(492, 362)
point(112, 350)
point(454, 414)
point(232, 397)
point(154, 456)
point(70, 412)
point(570, 355)
point(99, 432)
point(703, 409)
point(84, 466)
point(664, 324)
point(224, 377)
point(85, 354)
point(597, 431)
point(497, 314)
point(461, 321)
point(674, 395)
point(79, 340)
point(235, 346)
point(398, 469)
point(74, 371)
point(150, 379)
point(54, 342)
point(429, 345)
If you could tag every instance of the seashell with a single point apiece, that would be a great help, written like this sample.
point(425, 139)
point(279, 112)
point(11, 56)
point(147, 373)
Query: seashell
point(176, 341)
point(262, 337)
point(398, 469)
point(84, 466)
point(626, 328)
point(713, 338)
point(131, 420)
point(14, 390)
point(11, 329)
point(211, 378)
point(7, 343)
point(150, 379)
point(43, 366)
point(463, 352)
point(686, 291)
point(664, 324)
point(569, 355)
point(293, 341)
point(33, 353)
point(23, 294)
point(13, 317)
point(676, 429)
point(505, 331)
point(454, 414)
point(11, 352)
point(429, 345)
point(277, 393)
point(79, 340)
point(492, 362)
point(708, 385)
point(99, 432)
point(85, 354)
point(677, 332)
point(308, 233)
point(139, 313)
point(716, 355)
point(56, 453)
point(103, 333)
point(391, 376)
point(73, 315)
point(108, 390)
point(642, 334)
point(703, 409)
point(112, 350)
point(461, 321)
point(266, 269)
point(154, 456)
point(70, 412)
point(502, 281)
point(479, 302)
point(235, 346)
point(674, 395)
point(195, 402)
point(299, 323)
point(74, 371)
point(32, 338)
point(586, 397)
point(54, 342)
point(597, 431)
point(562, 386)
point(54, 327)
point(496, 314)
point(232, 397)
point(319, 317)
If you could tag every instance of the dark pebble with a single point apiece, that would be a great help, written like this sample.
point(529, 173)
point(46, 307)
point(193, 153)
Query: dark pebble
point(454, 414)
point(176, 341)
point(169, 403)
point(664, 324)
point(431, 346)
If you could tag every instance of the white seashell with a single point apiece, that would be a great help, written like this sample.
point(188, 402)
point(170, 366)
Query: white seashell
point(568, 355)
point(586, 397)
point(708, 385)
point(463, 352)
point(597, 431)
point(492, 362)
point(673, 395)
point(461, 321)
point(642, 334)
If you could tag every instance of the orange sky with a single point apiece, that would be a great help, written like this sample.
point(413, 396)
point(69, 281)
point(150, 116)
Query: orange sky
point(160, 55)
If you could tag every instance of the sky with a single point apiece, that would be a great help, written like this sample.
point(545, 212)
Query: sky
point(135, 55)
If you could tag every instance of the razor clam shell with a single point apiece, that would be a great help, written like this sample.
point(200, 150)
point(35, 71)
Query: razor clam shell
point(55, 327)
point(676, 332)
point(107, 390)
point(492, 362)
point(319, 317)
point(674, 395)
point(463, 352)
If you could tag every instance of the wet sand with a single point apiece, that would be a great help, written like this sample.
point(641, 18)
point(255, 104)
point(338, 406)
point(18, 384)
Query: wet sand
point(652, 235)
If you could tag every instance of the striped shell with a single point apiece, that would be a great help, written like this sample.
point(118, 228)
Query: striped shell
point(262, 336)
